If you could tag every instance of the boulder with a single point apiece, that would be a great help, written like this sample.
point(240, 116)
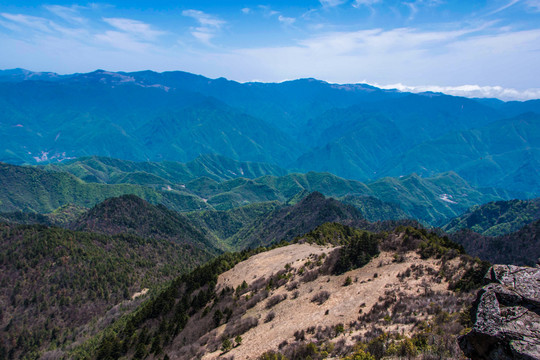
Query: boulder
point(506, 316)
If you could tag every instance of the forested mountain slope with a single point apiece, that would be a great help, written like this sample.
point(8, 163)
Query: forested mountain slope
point(497, 218)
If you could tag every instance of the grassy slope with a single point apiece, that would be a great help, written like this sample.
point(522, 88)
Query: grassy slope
point(192, 308)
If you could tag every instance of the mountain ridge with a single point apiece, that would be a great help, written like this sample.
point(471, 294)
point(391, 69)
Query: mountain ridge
point(352, 130)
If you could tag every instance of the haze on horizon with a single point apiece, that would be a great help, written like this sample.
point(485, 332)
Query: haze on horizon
point(475, 48)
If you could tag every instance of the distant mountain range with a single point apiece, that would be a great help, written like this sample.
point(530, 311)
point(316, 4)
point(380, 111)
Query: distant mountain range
point(353, 131)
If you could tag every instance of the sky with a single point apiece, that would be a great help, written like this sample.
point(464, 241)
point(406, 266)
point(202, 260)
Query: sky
point(469, 48)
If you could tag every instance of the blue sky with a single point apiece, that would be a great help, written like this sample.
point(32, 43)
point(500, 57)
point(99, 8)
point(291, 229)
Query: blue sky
point(472, 48)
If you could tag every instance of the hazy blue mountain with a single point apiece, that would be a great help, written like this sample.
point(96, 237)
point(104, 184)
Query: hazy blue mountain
point(504, 154)
point(104, 114)
point(355, 131)
point(411, 134)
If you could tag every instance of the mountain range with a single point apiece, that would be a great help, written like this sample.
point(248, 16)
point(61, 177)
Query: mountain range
point(169, 215)
point(354, 131)
point(35, 189)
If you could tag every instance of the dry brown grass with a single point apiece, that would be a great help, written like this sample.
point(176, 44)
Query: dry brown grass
point(292, 298)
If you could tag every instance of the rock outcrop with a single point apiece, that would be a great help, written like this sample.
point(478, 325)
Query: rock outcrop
point(506, 316)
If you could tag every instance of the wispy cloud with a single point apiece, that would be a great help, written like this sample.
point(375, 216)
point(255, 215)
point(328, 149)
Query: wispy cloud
point(503, 7)
point(415, 6)
point(31, 22)
point(209, 25)
point(533, 5)
point(286, 20)
point(69, 14)
point(245, 10)
point(331, 3)
point(134, 28)
point(267, 10)
point(359, 3)
point(122, 41)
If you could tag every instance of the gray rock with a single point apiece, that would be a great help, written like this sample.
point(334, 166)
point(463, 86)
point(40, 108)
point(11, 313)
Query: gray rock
point(506, 316)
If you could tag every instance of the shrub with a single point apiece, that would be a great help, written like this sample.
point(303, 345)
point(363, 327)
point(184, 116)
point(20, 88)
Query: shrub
point(238, 340)
point(310, 275)
point(226, 345)
point(274, 300)
point(271, 355)
point(321, 297)
point(271, 315)
point(242, 326)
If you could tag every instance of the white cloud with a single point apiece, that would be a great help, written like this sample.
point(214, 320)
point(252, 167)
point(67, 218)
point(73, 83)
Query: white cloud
point(122, 41)
point(331, 3)
point(133, 27)
point(69, 14)
point(268, 10)
point(504, 7)
point(474, 55)
point(246, 10)
point(209, 25)
point(286, 20)
point(358, 3)
point(472, 91)
point(533, 5)
point(204, 18)
point(32, 22)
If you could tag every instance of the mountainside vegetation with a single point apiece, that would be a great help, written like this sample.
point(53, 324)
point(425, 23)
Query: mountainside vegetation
point(521, 247)
point(129, 214)
point(114, 171)
point(497, 218)
point(31, 189)
point(430, 200)
point(288, 222)
point(60, 286)
point(222, 309)
point(60, 217)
